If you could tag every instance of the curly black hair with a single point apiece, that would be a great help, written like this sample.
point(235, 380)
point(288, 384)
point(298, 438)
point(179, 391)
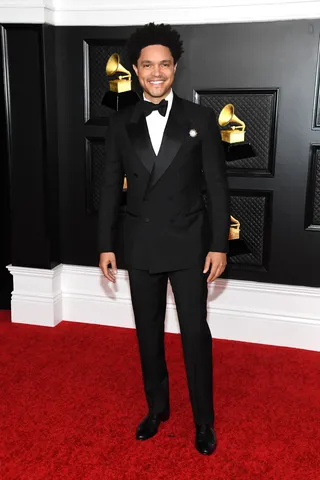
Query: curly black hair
point(151, 34)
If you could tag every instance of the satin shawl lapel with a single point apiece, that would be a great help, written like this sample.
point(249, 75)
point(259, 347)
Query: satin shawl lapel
point(140, 139)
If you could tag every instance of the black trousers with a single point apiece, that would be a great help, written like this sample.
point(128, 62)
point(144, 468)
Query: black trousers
point(148, 294)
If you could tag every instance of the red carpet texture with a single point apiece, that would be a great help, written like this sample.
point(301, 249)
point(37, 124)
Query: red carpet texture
point(71, 398)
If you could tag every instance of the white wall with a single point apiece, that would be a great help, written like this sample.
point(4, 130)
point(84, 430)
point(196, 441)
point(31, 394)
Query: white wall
point(127, 12)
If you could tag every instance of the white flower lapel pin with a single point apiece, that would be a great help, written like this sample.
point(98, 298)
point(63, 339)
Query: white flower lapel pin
point(193, 133)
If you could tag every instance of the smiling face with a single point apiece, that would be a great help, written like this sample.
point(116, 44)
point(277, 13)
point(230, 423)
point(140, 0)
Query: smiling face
point(155, 70)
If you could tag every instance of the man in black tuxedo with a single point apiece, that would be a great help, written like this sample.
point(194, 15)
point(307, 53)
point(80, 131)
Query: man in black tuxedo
point(168, 148)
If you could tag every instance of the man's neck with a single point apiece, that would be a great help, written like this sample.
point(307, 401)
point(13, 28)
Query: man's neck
point(156, 100)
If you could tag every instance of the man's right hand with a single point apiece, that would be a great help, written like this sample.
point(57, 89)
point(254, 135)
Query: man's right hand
point(107, 258)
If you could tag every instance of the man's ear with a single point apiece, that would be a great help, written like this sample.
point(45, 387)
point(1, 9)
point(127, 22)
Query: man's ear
point(135, 69)
point(175, 67)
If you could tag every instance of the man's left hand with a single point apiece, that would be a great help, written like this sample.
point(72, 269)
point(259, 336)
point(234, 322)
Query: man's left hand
point(216, 262)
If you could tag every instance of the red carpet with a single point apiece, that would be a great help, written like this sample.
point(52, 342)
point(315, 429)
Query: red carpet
point(71, 398)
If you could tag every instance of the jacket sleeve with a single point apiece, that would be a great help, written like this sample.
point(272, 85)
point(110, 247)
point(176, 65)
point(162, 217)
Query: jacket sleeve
point(216, 185)
point(110, 192)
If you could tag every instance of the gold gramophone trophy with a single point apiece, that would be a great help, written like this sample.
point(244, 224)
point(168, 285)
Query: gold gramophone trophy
point(234, 232)
point(237, 246)
point(233, 135)
point(119, 94)
point(123, 82)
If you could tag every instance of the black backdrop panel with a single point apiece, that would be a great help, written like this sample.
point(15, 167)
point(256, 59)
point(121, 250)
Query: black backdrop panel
point(95, 155)
point(269, 192)
point(258, 110)
point(6, 279)
point(32, 144)
point(252, 209)
point(96, 84)
point(313, 191)
point(316, 109)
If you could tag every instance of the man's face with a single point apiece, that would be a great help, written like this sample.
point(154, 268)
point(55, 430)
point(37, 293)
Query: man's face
point(155, 70)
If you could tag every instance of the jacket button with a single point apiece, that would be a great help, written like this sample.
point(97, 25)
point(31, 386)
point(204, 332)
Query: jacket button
point(147, 220)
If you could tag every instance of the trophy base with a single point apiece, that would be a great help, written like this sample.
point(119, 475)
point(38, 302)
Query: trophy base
point(237, 247)
point(120, 85)
point(118, 101)
point(237, 151)
point(232, 136)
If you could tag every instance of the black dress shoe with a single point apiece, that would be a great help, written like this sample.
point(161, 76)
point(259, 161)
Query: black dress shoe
point(205, 439)
point(150, 424)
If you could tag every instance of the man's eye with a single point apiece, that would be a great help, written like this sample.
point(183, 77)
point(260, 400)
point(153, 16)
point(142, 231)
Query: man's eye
point(146, 65)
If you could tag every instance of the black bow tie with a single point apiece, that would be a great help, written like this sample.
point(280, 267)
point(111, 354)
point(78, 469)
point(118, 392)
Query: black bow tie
point(149, 107)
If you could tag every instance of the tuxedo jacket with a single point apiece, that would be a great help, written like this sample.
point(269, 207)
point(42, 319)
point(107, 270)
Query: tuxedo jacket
point(177, 207)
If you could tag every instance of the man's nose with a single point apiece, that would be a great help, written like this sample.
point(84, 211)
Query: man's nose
point(156, 70)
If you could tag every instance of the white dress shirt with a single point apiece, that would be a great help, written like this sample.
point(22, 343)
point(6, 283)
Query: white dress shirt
point(157, 123)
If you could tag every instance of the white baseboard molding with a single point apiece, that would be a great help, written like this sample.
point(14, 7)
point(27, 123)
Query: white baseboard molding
point(36, 298)
point(256, 312)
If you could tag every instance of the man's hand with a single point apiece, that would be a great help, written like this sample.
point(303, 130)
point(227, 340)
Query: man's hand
point(216, 262)
point(107, 258)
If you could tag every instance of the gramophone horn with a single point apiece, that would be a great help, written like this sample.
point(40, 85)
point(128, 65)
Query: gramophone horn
point(114, 66)
point(227, 116)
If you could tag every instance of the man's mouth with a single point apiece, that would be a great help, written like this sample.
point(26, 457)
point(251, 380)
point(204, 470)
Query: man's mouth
point(156, 82)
